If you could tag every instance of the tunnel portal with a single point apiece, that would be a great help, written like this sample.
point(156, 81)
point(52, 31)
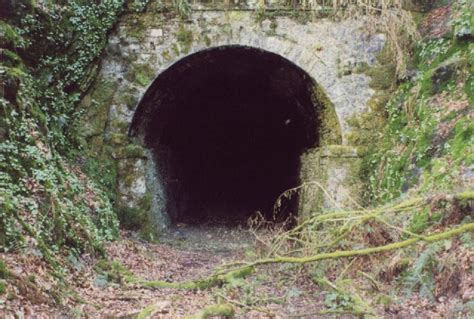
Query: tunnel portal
point(227, 127)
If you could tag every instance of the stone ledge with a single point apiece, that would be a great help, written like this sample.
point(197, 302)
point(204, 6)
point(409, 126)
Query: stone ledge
point(339, 151)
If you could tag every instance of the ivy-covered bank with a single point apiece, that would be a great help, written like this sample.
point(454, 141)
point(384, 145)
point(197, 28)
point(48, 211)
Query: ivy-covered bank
point(419, 133)
point(49, 57)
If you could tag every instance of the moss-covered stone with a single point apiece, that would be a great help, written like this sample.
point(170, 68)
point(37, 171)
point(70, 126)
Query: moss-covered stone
point(185, 38)
point(332, 170)
point(97, 105)
point(129, 151)
point(130, 100)
point(367, 127)
point(339, 151)
point(166, 55)
point(118, 139)
point(137, 217)
point(141, 74)
point(330, 128)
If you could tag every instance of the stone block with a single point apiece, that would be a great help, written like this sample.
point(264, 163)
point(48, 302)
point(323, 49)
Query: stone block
point(156, 33)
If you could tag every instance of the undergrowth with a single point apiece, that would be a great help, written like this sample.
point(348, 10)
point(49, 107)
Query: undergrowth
point(49, 205)
point(427, 139)
point(50, 55)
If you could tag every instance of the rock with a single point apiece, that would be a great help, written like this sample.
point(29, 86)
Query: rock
point(101, 281)
point(443, 73)
point(156, 32)
point(266, 25)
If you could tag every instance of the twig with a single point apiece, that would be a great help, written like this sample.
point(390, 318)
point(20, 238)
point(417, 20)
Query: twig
point(374, 282)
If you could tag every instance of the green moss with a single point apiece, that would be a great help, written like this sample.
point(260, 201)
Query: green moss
point(97, 105)
point(147, 312)
point(362, 67)
point(469, 87)
point(142, 79)
point(217, 310)
point(137, 26)
point(3, 287)
point(383, 75)
point(118, 139)
point(11, 36)
point(175, 49)
point(130, 100)
point(137, 217)
point(140, 73)
point(462, 144)
point(385, 301)
point(4, 272)
point(166, 55)
point(129, 151)
point(367, 127)
point(207, 40)
point(330, 128)
point(115, 271)
point(103, 91)
point(9, 58)
point(119, 125)
point(212, 281)
point(339, 151)
point(185, 38)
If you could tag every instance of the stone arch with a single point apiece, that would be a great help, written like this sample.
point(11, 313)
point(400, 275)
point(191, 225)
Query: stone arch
point(319, 94)
point(144, 46)
point(335, 90)
point(295, 115)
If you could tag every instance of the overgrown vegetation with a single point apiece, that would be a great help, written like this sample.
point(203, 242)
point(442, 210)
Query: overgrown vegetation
point(427, 143)
point(49, 59)
point(418, 140)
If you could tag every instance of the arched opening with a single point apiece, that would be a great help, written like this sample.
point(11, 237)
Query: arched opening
point(227, 127)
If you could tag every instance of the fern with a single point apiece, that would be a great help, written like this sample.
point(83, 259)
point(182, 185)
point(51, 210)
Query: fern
point(420, 276)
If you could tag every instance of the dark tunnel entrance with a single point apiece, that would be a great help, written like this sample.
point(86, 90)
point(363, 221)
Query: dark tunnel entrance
point(227, 127)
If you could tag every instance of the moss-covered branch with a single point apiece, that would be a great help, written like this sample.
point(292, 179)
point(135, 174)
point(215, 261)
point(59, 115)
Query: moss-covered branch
point(212, 281)
point(245, 270)
point(223, 309)
point(365, 251)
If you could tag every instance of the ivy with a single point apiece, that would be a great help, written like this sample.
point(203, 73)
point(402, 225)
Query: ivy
point(45, 198)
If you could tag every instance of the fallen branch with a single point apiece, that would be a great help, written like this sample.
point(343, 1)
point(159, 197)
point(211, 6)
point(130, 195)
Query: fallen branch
point(212, 281)
point(365, 251)
point(243, 271)
point(227, 273)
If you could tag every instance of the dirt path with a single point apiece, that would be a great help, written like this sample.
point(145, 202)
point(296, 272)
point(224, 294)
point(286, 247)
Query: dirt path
point(98, 289)
point(186, 253)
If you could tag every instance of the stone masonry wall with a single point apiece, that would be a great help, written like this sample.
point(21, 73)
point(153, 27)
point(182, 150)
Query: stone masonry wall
point(144, 45)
